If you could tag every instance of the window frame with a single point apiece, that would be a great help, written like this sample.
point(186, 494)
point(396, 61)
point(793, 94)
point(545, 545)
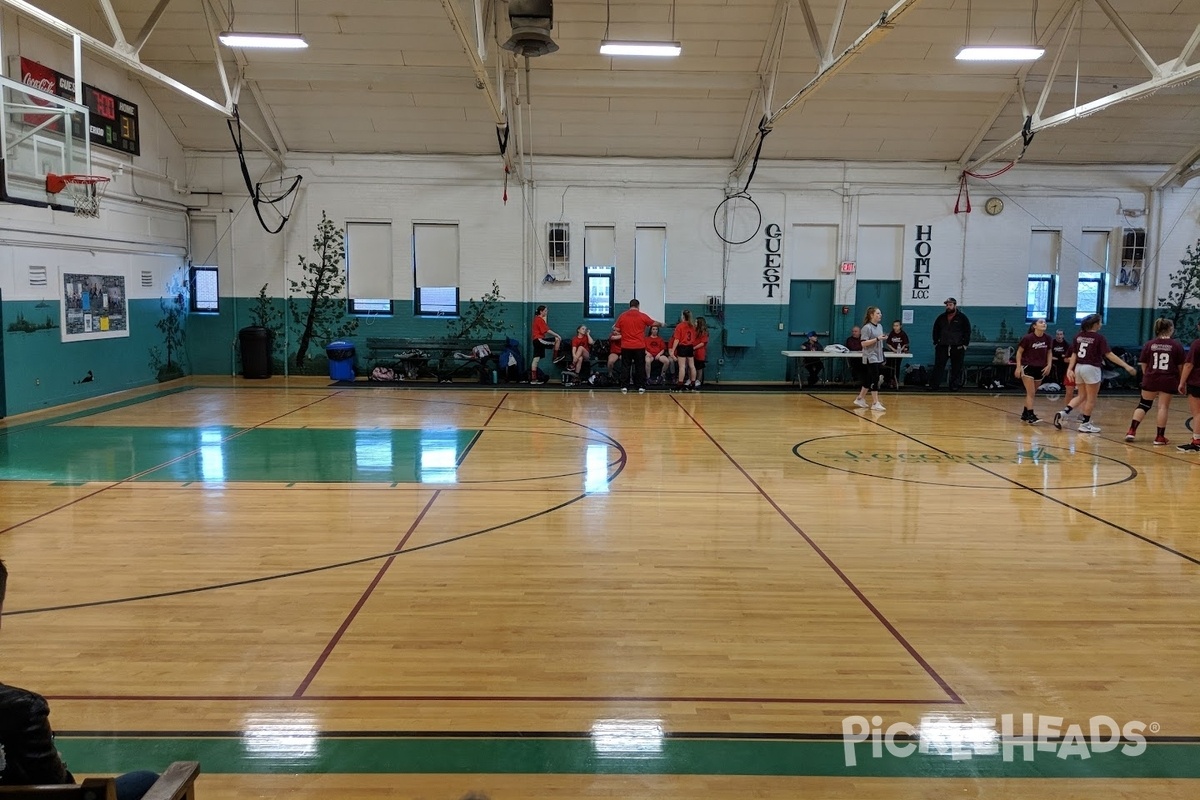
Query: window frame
point(352, 303)
point(419, 311)
point(417, 301)
point(1041, 278)
point(604, 274)
point(193, 295)
point(1101, 281)
point(352, 306)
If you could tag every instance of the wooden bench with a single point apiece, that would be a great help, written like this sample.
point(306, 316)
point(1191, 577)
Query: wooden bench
point(440, 359)
point(176, 783)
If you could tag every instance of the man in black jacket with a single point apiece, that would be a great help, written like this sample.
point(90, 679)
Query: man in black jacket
point(951, 335)
point(28, 756)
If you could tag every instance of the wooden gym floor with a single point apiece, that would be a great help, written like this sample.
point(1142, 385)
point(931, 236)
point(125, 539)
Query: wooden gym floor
point(368, 592)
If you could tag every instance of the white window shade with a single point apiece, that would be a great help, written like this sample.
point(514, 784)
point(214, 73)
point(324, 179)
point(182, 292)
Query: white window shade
point(1044, 249)
point(1095, 251)
point(204, 242)
point(649, 269)
point(369, 260)
point(599, 246)
point(880, 254)
point(435, 255)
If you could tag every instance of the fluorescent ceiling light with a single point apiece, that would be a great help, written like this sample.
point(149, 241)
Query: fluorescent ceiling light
point(277, 41)
point(609, 48)
point(1000, 53)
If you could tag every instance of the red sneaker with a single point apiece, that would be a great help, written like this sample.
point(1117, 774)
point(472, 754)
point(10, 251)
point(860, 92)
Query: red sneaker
point(1160, 440)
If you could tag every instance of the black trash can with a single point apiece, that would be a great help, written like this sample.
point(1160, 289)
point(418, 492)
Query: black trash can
point(341, 360)
point(256, 351)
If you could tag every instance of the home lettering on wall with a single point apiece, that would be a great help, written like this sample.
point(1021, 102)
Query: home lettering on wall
point(921, 257)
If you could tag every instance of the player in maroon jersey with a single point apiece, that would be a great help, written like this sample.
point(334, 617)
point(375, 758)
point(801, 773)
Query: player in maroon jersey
point(1034, 359)
point(1088, 353)
point(1189, 384)
point(1161, 359)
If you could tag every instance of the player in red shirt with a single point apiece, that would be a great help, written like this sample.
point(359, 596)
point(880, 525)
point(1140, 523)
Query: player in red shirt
point(1189, 383)
point(683, 346)
point(543, 337)
point(1161, 359)
point(1034, 360)
point(614, 350)
point(581, 350)
point(700, 351)
point(656, 351)
point(1088, 353)
point(633, 324)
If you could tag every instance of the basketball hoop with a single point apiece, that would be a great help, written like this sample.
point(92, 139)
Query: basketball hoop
point(85, 191)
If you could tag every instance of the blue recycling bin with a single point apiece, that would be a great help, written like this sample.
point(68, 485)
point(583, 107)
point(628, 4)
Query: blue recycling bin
point(341, 360)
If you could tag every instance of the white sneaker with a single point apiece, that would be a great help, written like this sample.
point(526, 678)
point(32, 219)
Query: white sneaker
point(858, 401)
point(878, 407)
point(641, 391)
point(624, 390)
point(1088, 427)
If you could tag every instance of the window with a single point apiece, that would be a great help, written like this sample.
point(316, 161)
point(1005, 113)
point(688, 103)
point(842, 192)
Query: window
point(435, 269)
point(558, 244)
point(203, 284)
point(650, 269)
point(599, 281)
point(1039, 297)
point(369, 267)
point(1133, 257)
point(1045, 248)
point(599, 269)
point(1090, 299)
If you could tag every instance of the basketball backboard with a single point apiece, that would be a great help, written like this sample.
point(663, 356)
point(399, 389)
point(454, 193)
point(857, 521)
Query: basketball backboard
point(41, 134)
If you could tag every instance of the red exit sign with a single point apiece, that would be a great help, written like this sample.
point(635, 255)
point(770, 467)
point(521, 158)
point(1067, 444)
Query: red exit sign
point(848, 266)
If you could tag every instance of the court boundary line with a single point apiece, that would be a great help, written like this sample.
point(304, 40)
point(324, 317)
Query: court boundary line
point(362, 601)
point(620, 463)
point(430, 698)
point(912, 651)
point(1019, 485)
point(132, 478)
point(800, 736)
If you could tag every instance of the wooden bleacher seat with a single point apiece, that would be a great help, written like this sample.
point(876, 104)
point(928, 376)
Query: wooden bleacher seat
point(176, 783)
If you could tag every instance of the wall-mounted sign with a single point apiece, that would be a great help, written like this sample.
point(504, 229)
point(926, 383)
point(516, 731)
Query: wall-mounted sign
point(93, 306)
point(921, 255)
point(113, 120)
point(848, 266)
point(772, 269)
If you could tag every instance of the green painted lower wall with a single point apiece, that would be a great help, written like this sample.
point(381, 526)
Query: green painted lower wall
point(213, 351)
point(41, 370)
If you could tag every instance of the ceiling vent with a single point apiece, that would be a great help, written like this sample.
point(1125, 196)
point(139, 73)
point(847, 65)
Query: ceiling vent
point(531, 22)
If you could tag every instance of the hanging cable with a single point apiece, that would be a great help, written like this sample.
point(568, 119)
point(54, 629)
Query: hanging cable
point(743, 195)
point(257, 196)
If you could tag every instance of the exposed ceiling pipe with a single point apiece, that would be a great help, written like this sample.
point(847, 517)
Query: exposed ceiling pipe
point(482, 79)
point(886, 22)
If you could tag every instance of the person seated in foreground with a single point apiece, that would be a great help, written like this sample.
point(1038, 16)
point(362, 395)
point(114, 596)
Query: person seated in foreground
point(28, 756)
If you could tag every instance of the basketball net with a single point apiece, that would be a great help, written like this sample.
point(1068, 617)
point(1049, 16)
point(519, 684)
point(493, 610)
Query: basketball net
point(85, 191)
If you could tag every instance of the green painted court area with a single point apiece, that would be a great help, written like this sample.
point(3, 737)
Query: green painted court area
point(77, 454)
point(286, 751)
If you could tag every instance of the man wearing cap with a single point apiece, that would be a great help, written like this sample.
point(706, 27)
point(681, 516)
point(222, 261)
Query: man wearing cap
point(951, 335)
point(812, 365)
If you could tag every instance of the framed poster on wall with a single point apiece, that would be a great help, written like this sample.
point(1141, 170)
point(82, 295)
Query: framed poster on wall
point(94, 306)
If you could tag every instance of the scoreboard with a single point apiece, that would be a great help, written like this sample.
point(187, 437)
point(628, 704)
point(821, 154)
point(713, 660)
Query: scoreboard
point(114, 120)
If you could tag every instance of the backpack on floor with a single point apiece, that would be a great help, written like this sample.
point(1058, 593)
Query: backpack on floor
point(383, 374)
